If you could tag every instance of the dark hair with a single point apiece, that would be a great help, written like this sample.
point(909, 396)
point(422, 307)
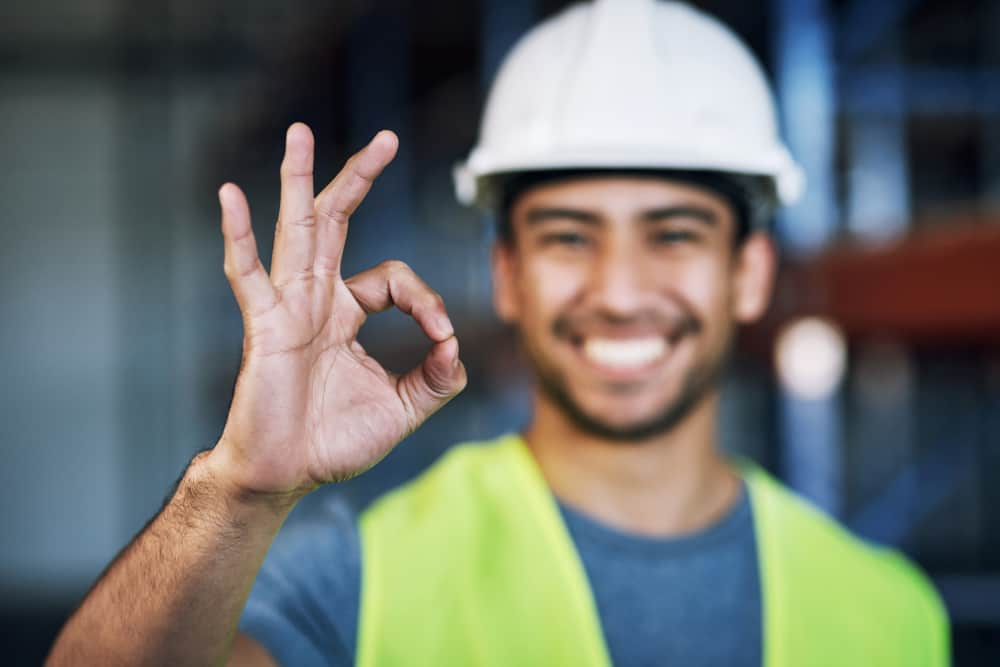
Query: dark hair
point(750, 197)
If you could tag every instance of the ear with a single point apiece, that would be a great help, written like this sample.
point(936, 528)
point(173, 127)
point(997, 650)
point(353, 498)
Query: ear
point(504, 264)
point(756, 263)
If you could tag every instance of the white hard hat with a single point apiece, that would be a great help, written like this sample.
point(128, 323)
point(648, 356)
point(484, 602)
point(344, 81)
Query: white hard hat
point(632, 84)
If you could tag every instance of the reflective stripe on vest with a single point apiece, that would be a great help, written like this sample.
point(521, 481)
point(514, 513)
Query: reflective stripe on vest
point(471, 564)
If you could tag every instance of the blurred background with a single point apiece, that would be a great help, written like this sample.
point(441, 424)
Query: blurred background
point(873, 387)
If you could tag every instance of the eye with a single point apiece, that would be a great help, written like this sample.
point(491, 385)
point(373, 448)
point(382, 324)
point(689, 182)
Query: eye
point(566, 239)
point(675, 236)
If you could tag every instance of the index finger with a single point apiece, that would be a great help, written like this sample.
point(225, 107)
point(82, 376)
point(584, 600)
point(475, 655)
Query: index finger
point(338, 200)
point(393, 283)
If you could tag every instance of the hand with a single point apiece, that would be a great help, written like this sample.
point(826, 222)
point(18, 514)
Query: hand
point(310, 405)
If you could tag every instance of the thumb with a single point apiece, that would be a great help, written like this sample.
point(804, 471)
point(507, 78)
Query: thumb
point(434, 382)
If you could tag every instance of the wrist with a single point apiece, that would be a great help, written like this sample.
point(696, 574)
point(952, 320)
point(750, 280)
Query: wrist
point(214, 469)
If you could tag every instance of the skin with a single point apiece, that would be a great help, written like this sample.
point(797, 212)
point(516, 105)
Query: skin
point(310, 407)
point(620, 258)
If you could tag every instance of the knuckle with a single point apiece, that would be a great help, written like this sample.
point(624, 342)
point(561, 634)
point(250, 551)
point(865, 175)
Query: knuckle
point(396, 267)
point(366, 179)
point(299, 276)
point(437, 384)
point(308, 221)
point(432, 302)
point(355, 165)
point(335, 213)
point(326, 268)
point(290, 170)
point(405, 391)
point(236, 272)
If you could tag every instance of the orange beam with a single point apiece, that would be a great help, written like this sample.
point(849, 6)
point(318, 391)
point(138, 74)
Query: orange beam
point(939, 286)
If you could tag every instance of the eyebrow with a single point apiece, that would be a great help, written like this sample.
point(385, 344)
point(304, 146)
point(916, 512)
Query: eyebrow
point(539, 215)
point(702, 214)
point(699, 213)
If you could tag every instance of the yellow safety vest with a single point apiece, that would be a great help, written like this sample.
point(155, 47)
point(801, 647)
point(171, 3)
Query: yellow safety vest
point(471, 564)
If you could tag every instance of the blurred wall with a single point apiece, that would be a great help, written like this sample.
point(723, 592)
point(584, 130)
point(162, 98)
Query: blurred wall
point(59, 335)
point(107, 246)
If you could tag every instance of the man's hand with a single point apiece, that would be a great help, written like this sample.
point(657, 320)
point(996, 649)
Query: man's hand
point(310, 405)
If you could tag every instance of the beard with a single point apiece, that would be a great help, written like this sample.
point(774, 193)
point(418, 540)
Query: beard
point(699, 381)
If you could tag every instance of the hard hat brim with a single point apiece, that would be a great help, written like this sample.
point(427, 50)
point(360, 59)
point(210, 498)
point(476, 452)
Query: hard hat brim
point(474, 179)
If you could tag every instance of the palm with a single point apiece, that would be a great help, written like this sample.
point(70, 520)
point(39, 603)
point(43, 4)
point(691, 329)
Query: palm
point(310, 405)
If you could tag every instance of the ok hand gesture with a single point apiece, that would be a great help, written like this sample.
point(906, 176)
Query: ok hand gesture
point(310, 405)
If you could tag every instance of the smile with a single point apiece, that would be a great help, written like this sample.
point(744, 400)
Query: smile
point(624, 353)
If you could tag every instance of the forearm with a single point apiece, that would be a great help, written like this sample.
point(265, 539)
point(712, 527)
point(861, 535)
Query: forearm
point(175, 594)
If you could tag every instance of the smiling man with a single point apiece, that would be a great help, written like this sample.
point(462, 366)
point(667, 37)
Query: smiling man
point(630, 152)
point(626, 290)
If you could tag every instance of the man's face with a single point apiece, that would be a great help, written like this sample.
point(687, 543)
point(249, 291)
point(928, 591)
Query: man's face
point(626, 292)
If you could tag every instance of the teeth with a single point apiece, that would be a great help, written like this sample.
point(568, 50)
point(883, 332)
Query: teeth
point(630, 353)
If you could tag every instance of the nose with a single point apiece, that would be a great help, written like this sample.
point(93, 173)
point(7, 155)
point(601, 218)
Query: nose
point(619, 283)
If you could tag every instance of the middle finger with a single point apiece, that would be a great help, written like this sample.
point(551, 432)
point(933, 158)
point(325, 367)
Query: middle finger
point(295, 234)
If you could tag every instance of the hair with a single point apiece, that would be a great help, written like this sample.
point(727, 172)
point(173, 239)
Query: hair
point(752, 198)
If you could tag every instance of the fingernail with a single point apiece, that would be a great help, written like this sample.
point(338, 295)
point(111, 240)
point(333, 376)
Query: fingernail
point(392, 136)
point(444, 325)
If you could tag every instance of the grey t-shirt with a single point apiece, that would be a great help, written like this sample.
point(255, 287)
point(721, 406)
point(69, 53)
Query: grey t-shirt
point(691, 600)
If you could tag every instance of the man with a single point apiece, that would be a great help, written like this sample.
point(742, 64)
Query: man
point(630, 150)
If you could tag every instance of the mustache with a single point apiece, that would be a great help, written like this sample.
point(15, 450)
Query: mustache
point(676, 325)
